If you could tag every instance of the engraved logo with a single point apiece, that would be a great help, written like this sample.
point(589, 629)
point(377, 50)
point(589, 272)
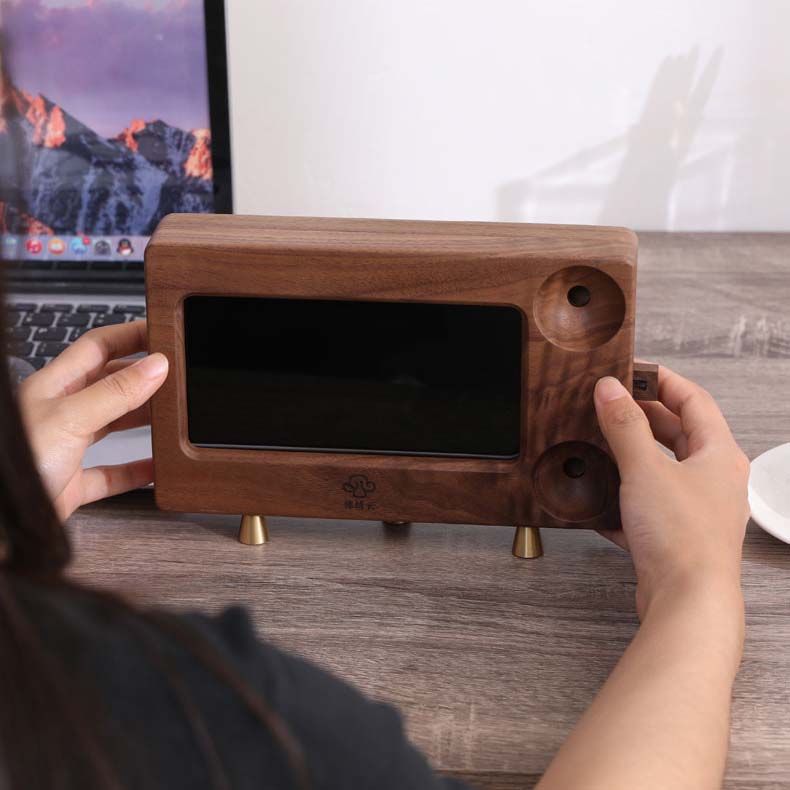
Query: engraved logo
point(359, 486)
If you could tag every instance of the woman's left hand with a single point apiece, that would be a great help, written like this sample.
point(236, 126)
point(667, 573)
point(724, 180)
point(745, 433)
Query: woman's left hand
point(80, 397)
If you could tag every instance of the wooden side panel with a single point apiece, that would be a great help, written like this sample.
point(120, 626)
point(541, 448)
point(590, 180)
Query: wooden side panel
point(574, 285)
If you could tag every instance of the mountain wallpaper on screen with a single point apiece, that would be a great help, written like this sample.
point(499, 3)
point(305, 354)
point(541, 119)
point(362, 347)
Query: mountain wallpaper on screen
point(59, 176)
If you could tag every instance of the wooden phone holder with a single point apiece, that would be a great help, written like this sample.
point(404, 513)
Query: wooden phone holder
point(572, 288)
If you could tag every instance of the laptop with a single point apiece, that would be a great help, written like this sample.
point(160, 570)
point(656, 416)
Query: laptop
point(113, 115)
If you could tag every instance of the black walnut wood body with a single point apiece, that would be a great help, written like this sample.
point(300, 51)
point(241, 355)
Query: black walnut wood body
point(575, 288)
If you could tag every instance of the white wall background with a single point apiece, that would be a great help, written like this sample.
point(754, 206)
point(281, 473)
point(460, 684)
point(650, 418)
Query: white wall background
point(656, 115)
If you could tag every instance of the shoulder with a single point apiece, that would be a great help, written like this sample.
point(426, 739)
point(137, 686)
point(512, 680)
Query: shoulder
point(343, 733)
point(347, 739)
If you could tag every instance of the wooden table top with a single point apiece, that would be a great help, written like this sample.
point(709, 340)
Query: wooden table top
point(492, 659)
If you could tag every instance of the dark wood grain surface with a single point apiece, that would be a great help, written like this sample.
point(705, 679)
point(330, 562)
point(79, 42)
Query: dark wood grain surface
point(533, 268)
point(491, 659)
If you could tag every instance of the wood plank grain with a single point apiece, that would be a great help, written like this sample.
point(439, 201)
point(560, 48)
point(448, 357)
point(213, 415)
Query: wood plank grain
point(714, 295)
point(566, 346)
point(490, 658)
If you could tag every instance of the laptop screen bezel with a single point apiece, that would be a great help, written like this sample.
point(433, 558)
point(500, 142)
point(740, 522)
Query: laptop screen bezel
point(19, 272)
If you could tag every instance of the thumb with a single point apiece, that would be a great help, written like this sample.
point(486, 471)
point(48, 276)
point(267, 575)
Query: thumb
point(113, 396)
point(624, 425)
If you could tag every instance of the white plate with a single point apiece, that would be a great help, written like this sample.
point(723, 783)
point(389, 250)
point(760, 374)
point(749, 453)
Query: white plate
point(769, 491)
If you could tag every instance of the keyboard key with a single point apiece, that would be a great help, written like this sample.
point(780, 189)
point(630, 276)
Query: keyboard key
point(93, 308)
point(51, 333)
point(105, 266)
point(17, 349)
point(132, 309)
point(108, 320)
point(40, 265)
point(134, 266)
point(72, 265)
point(74, 319)
point(57, 308)
point(18, 333)
point(77, 333)
point(22, 307)
point(36, 362)
point(38, 319)
point(50, 349)
point(12, 318)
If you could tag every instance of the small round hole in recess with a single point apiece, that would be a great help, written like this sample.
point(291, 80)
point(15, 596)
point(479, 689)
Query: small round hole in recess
point(579, 295)
point(574, 467)
point(565, 320)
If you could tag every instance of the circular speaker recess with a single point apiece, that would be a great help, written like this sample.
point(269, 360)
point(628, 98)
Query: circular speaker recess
point(575, 481)
point(579, 308)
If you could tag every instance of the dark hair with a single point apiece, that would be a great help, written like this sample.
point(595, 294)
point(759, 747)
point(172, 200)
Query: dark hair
point(38, 703)
point(36, 698)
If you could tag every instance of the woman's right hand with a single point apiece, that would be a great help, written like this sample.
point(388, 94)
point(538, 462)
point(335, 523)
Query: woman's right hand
point(662, 718)
point(683, 518)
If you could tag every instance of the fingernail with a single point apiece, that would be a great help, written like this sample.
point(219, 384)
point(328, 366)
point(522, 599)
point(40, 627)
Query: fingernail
point(609, 388)
point(153, 366)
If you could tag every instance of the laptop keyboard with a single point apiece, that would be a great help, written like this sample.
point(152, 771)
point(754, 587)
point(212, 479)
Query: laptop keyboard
point(37, 333)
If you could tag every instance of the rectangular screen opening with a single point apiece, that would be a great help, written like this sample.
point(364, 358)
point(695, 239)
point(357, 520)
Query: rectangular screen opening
point(353, 377)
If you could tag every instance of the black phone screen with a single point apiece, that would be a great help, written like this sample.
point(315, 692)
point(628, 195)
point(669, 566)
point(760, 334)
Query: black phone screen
point(407, 378)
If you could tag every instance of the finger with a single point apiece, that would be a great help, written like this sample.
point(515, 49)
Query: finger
point(701, 419)
point(134, 419)
point(99, 482)
point(111, 367)
point(666, 428)
point(625, 426)
point(115, 365)
point(616, 536)
point(82, 362)
point(93, 409)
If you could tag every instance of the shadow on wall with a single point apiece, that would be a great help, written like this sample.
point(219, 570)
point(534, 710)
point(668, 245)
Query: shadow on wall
point(652, 160)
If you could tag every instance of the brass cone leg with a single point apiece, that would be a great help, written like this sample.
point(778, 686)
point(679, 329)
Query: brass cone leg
point(396, 531)
point(253, 530)
point(527, 544)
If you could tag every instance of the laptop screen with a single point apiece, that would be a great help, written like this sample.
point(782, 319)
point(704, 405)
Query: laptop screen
point(105, 129)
